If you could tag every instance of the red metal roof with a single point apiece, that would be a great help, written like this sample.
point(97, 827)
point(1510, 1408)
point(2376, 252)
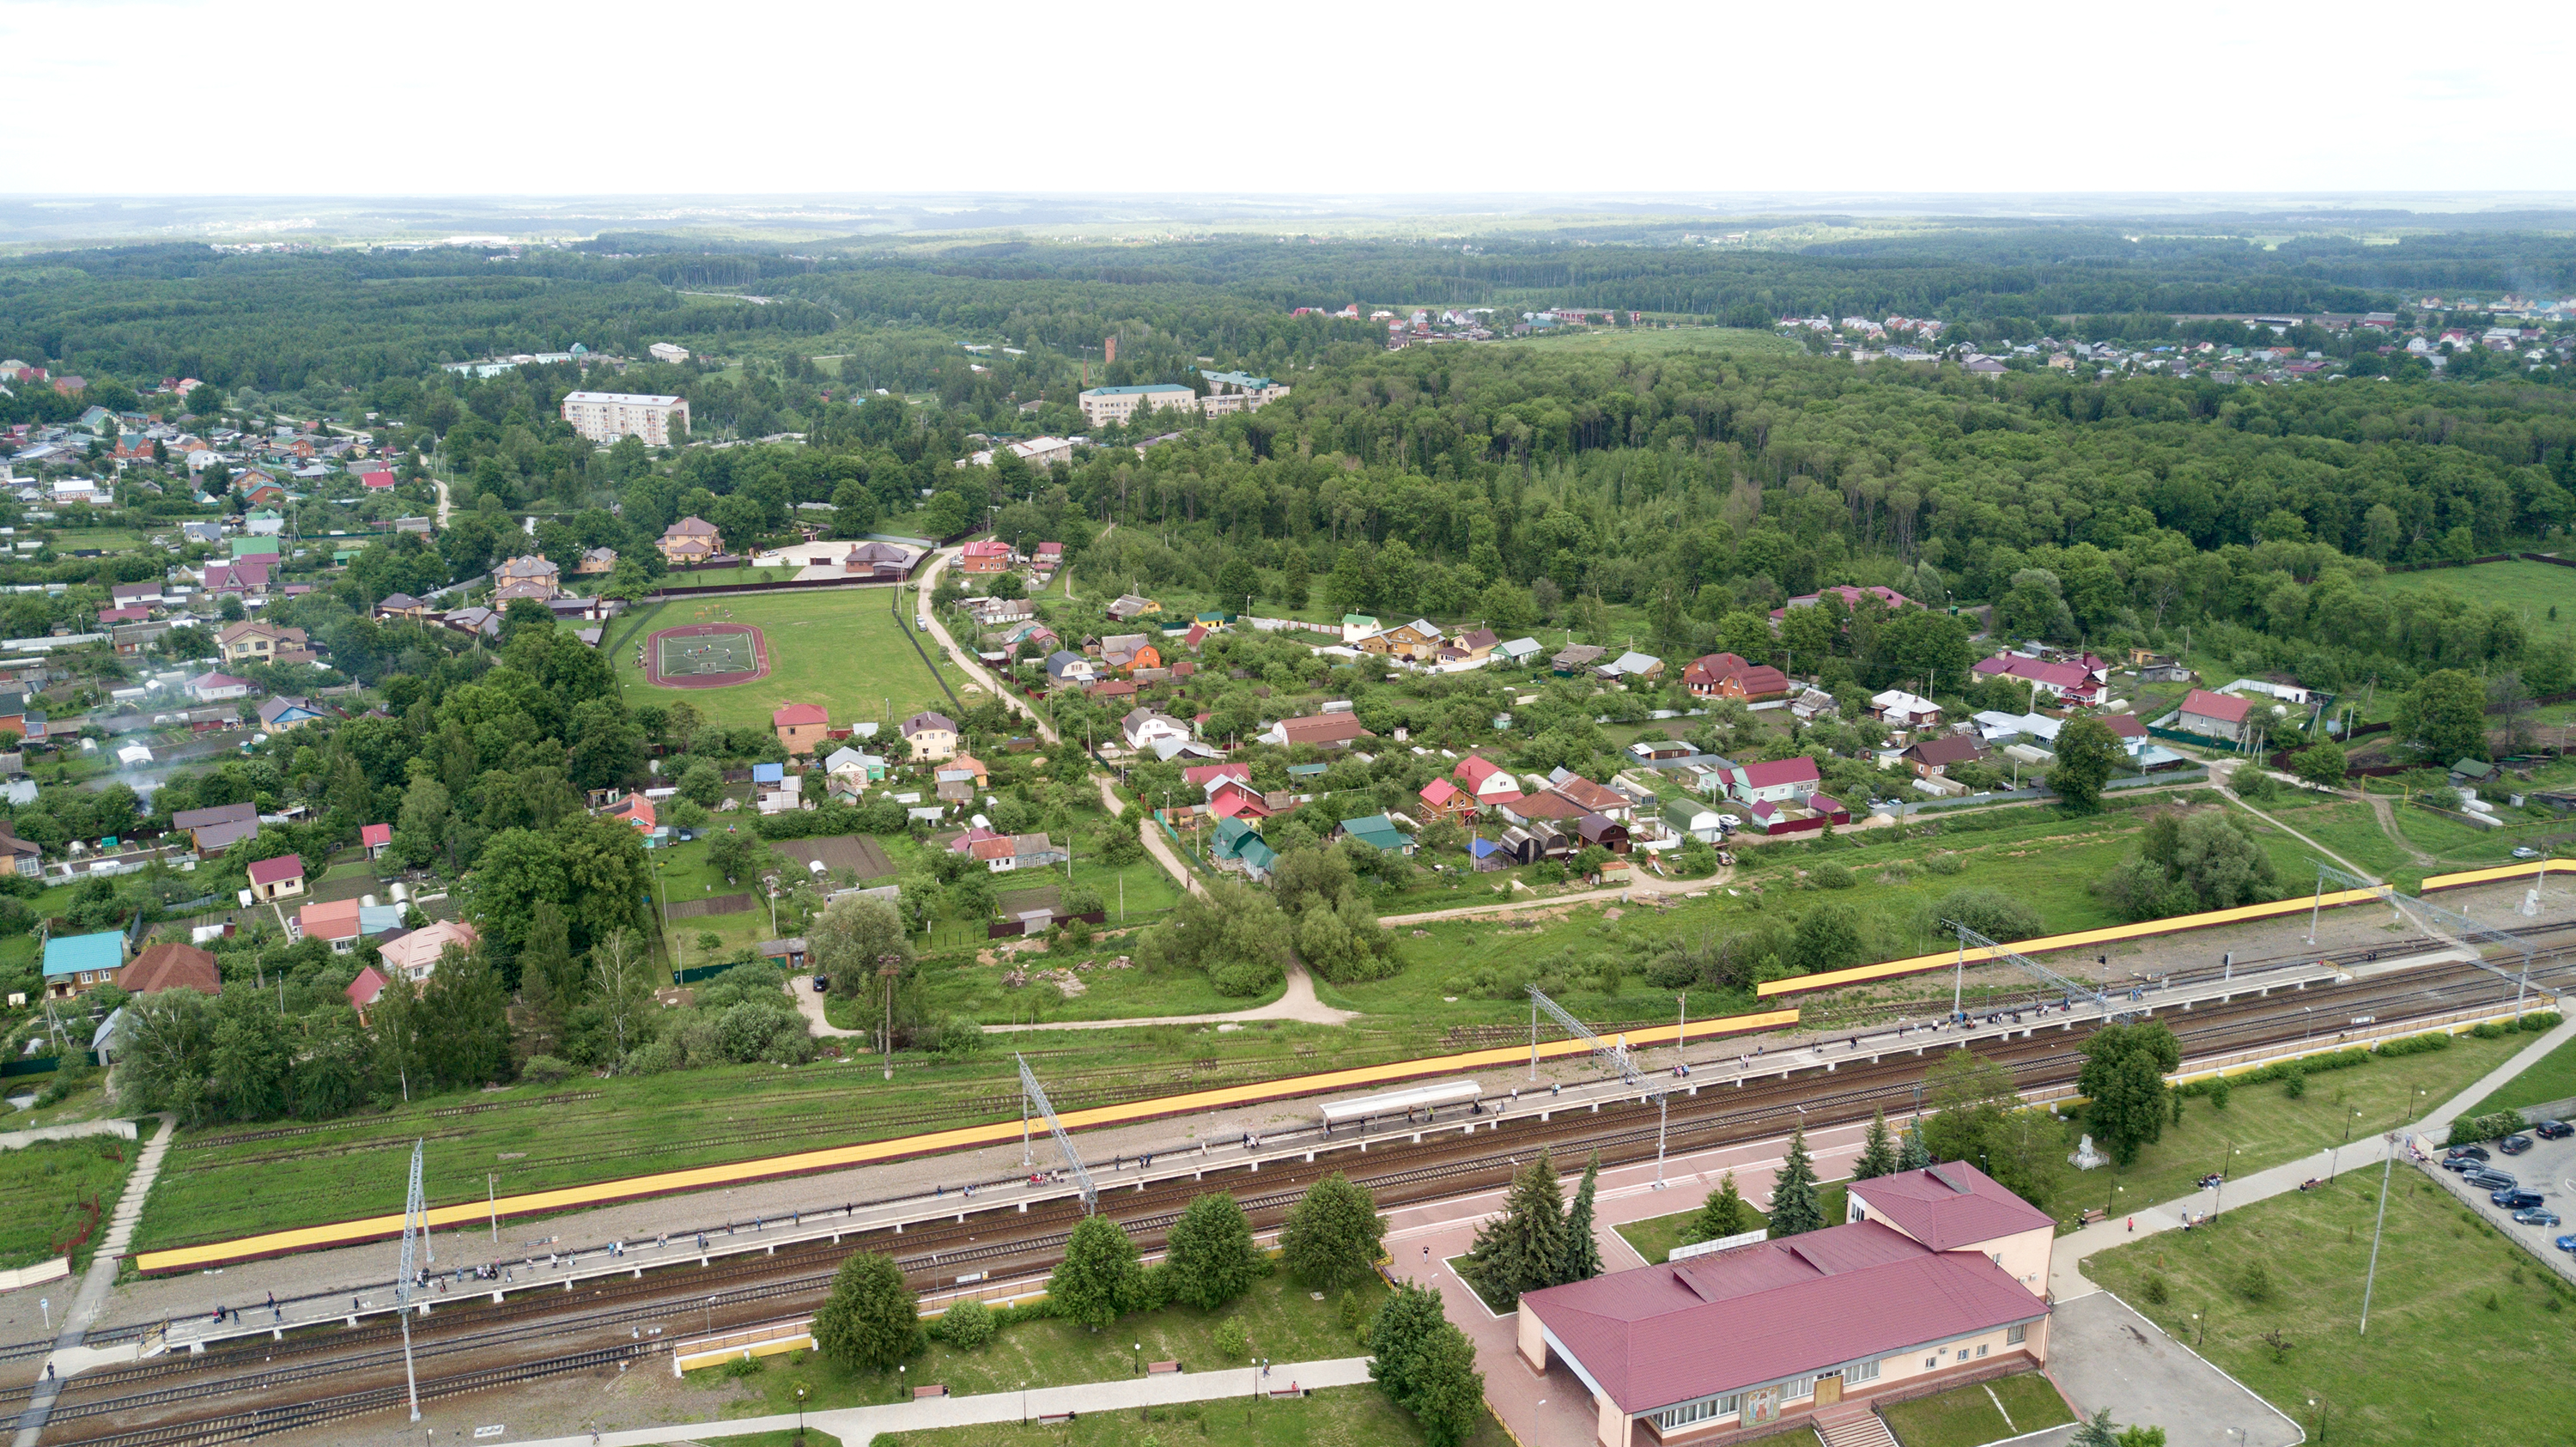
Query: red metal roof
point(1197, 776)
point(1949, 1205)
point(1439, 792)
point(375, 836)
point(2225, 708)
point(797, 714)
point(1666, 1334)
point(2124, 725)
point(278, 870)
point(1775, 772)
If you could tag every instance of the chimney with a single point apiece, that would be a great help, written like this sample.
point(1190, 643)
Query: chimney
point(1109, 345)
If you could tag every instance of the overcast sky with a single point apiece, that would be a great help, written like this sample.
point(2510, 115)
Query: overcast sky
point(537, 97)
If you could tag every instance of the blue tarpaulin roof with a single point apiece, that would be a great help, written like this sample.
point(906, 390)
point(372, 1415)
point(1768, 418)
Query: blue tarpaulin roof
point(768, 773)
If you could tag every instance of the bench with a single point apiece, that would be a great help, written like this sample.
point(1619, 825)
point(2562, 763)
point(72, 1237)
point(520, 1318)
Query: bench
point(1160, 1368)
point(1291, 1390)
point(2093, 1214)
point(934, 1390)
point(1051, 1418)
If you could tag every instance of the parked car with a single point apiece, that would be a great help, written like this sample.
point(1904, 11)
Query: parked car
point(2514, 1198)
point(2490, 1180)
point(2553, 1130)
point(2535, 1216)
point(2466, 1153)
point(2515, 1145)
point(2525, 851)
point(2461, 1164)
point(2567, 1244)
point(822, 983)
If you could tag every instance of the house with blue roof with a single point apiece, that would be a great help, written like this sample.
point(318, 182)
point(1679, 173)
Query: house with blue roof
point(75, 964)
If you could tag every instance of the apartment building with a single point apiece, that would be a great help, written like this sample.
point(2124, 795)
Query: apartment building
point(607, 416)
point(1104, 405)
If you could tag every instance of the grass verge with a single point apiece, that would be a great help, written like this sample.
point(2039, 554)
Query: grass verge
point(48, 1190)
point(1979, 1413)
point(2458, 1314)
point(1336, 1417)
point(2552, 1077)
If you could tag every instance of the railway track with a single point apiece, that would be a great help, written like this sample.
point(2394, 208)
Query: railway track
point(270, 1387)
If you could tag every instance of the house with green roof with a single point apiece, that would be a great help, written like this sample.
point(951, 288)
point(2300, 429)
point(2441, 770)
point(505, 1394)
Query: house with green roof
point(1376, 831)
point(1239, 845)
point(255, 548)
point(78, 963)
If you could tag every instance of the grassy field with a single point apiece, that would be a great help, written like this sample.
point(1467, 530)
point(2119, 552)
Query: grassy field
point(2553, 1078)
point(1656, 1236)
point(2458, 1316)
point(113, 540)
point(591, 1129)
point(1983, 1412)
point(1661, 341)
point(42, 1188)
point(845, 651)
point(1280, 1320)
point(2531, 589)
point(1339, 1417)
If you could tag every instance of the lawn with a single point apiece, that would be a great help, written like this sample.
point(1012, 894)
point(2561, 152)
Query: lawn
point(43, 1188)
point(1656, 1236)
point(113, 540)
point(843, 650)
point(1280, 1320)
point(2458, 1315)
point(2553, 1078)
point(1662, 341)
point(1338, 1417)
point(2264, 1127)
point(1979, 1413)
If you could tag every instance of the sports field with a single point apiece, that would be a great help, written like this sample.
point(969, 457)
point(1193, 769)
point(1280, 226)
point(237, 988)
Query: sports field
point(843, 650)
point(707, 655)
point(1660, 341)
point(2530, 589)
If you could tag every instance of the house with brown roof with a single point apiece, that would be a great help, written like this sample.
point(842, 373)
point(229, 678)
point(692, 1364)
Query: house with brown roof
point(1476, 643)
point(1936, 1279)
point(1933, 758)
point(690, 540)
point(596, 561)
point(1324, 731)
point(171, 966)
point(1728, 675)
point(1591, 798)
point(251, 641)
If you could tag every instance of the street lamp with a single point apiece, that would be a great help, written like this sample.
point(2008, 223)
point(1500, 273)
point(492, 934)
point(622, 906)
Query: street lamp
point(800, 1409)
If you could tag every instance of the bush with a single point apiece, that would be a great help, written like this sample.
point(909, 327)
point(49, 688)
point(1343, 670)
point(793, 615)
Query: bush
point(2295, 1083)
point(1946, 862)
point(1231, 1347)
point(1992, 913)
point(1832, 876)
point(2219, 1090)
point(545, 1070)
point(2155, 1290)
point(2472, 1129)
point(2424, 1044)
point(2540, 1020)
point(2257, 1285)
point(966, 1325)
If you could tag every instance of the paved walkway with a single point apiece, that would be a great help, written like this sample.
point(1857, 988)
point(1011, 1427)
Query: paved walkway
point(1297, 1003)
point(69, 1356)
point(810, 1005)
point(856, 1425)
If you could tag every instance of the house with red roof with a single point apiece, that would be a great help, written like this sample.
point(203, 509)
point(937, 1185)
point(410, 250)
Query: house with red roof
point(1921, 1289)
point(1728, 675)
point(2072, 682)
point(278, 878)
point(1235, 799)
point(634, 809)
point(800, 726)
point(1447, 800)
point(1774, 782)
point(1200, 776)
point(1490, 782)
point(984, 555)
point(2215, 715)
point(1336, 730)
point(362, 991)
point(376, 839)
point(377, 481)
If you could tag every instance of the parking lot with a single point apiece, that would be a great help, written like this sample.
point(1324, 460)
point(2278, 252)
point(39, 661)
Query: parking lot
point(2549, 1168)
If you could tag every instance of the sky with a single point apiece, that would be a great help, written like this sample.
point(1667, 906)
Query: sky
point(537, 97)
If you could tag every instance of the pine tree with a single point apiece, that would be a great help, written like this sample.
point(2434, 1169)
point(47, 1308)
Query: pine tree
point(1877, 1151)
point(1794, 1207)
point(1910, 1154)
point(1520, 1251)
point(1581, 1259)
point(1725, 1213)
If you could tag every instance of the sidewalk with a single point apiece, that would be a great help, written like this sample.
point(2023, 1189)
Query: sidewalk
point(69, 1356)
point(859, 1425)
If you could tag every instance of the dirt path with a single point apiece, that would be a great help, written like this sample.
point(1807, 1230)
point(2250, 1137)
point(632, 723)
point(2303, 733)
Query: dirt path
point(2386, 814)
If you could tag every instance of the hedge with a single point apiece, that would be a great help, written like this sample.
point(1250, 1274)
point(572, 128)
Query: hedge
point(2496, 1125)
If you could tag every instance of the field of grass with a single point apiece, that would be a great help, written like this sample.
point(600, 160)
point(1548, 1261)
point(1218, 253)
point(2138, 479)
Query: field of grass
point(845, 651)
point(213, 1186)
point(1339, 1417)
point(2530, 589)
point(2553, 1078)
point(1660, 341)
point(1656, 1236)
point(113, 540)
point(1979, 1413)
point(2458, 1316)
point(42, 1188)
point(1280, 1320)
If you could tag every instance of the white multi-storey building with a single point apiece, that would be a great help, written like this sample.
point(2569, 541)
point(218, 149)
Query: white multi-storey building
point(608, 416)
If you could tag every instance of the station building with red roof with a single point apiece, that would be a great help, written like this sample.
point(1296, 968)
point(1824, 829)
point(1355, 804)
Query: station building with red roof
point(1937, 1277)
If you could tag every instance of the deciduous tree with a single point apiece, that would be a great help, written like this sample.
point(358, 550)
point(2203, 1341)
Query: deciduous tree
point(871, 1320)
point(1333, 1234)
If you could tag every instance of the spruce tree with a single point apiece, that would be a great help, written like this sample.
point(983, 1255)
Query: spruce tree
point(1877, 1151)
point(1520, 1250)
point(1794, 1207)
point(1581, 1260)
point(1725, 1213)
point(1910, 1154)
